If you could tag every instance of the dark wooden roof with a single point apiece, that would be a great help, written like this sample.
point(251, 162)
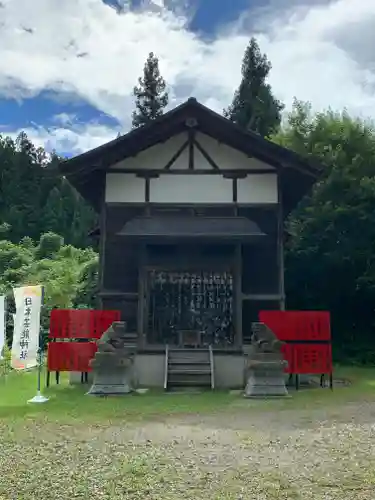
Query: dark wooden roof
point(86, 172)
point(189, 226)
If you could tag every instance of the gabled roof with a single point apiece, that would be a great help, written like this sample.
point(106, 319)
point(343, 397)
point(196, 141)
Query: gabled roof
point(86, 172)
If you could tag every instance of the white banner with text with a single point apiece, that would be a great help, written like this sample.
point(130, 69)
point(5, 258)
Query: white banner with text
point(26, 331)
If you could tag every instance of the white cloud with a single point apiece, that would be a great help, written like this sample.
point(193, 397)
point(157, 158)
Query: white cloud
point(64, 118)
point(68, 138)
point(321, 52)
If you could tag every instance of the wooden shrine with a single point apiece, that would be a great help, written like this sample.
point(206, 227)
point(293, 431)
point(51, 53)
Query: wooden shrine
point(191, 226)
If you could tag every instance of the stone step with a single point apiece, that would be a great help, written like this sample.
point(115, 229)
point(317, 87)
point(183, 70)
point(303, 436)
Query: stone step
point(189, 368)
point(187, 357)
point(189, 382)
point(190, 371)
point(189, 353)
point(187, 362)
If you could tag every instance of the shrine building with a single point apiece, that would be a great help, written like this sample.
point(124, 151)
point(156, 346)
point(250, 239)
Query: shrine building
point(191, 211)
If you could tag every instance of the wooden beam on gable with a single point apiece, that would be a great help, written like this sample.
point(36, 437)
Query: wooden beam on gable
point(206, 156)
point(239, 174)
point(191, 135)
point(228, 174)
point(235, 190)
point(147, 190)
point(176, 155)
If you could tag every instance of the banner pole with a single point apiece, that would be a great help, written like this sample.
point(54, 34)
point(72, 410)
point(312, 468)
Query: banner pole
point(3, 349)
point(39, 398)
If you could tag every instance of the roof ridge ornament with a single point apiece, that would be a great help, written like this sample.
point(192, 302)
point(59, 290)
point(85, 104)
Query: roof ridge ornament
point(191, 122)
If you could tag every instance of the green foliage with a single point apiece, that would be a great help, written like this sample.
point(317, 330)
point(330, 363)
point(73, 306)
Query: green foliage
point(330, 260)
point(5, 361)
point(151, 96)
point(254, 107)
point(64, 271)
point(87, 290)
point(50, 243)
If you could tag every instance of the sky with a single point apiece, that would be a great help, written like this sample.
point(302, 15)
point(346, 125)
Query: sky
point(68, 67)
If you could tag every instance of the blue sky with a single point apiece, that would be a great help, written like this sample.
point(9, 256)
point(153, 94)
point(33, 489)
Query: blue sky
point(67, 67)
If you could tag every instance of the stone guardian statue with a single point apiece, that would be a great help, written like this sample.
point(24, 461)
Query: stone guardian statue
point(113, 363)
point(265, 364)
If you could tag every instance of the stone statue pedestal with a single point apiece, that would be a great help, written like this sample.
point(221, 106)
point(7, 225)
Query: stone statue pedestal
point(111, 377)
point(266, 377)
point(265, 365)
point(113, 363)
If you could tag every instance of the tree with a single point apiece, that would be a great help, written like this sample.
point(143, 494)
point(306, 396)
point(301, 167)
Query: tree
point(34, 200)
point(151, 96)
point(330, 259)
point(254, 107)
point(88, 285)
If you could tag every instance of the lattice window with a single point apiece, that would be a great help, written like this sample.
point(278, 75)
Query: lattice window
point(199, 301)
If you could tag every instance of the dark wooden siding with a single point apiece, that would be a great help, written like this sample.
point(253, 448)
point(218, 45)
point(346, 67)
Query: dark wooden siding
point(210, 257)
point(121, 263)
point(260, 269)
point(120, 255)
point(128, 308)
point(260, 273)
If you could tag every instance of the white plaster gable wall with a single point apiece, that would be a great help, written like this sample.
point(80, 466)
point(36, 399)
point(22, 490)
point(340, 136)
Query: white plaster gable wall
point(257, 188)
point(169, 188)
point(158, 156)
point(225, 157)
point(124, 188)
point(191, 189)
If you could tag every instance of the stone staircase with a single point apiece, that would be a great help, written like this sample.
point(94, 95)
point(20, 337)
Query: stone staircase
point(188, 368)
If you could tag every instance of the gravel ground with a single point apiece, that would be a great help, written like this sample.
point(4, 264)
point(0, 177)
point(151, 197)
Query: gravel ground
point(241, 455)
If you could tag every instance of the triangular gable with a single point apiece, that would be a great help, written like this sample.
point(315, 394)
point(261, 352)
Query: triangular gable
point(297, 173)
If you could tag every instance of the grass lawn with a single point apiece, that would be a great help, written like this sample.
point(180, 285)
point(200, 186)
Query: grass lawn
point(316, 445)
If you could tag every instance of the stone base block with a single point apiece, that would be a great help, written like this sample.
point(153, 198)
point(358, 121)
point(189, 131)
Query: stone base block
point(265, 384)
point(109, 382)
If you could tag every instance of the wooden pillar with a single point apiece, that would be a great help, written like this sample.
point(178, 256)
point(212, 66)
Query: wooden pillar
point(238, 295)
point(280, 244)
point(141, 320)
point(102, 247)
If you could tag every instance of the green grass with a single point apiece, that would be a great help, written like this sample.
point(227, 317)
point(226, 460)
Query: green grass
point(68, 401)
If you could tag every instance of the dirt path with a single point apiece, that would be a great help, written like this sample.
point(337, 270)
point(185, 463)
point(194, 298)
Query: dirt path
point(286, 455)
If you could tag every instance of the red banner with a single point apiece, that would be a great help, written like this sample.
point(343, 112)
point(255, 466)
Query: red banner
point(312, 358)
point(70, 356)
point(308, 339)
point(80, 323)
point(102, 320)
point(308, 358)
point(287, 351)
point(298, 325)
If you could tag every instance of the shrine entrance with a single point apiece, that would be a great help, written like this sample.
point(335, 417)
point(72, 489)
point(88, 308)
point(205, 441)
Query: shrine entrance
point(190, 308)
